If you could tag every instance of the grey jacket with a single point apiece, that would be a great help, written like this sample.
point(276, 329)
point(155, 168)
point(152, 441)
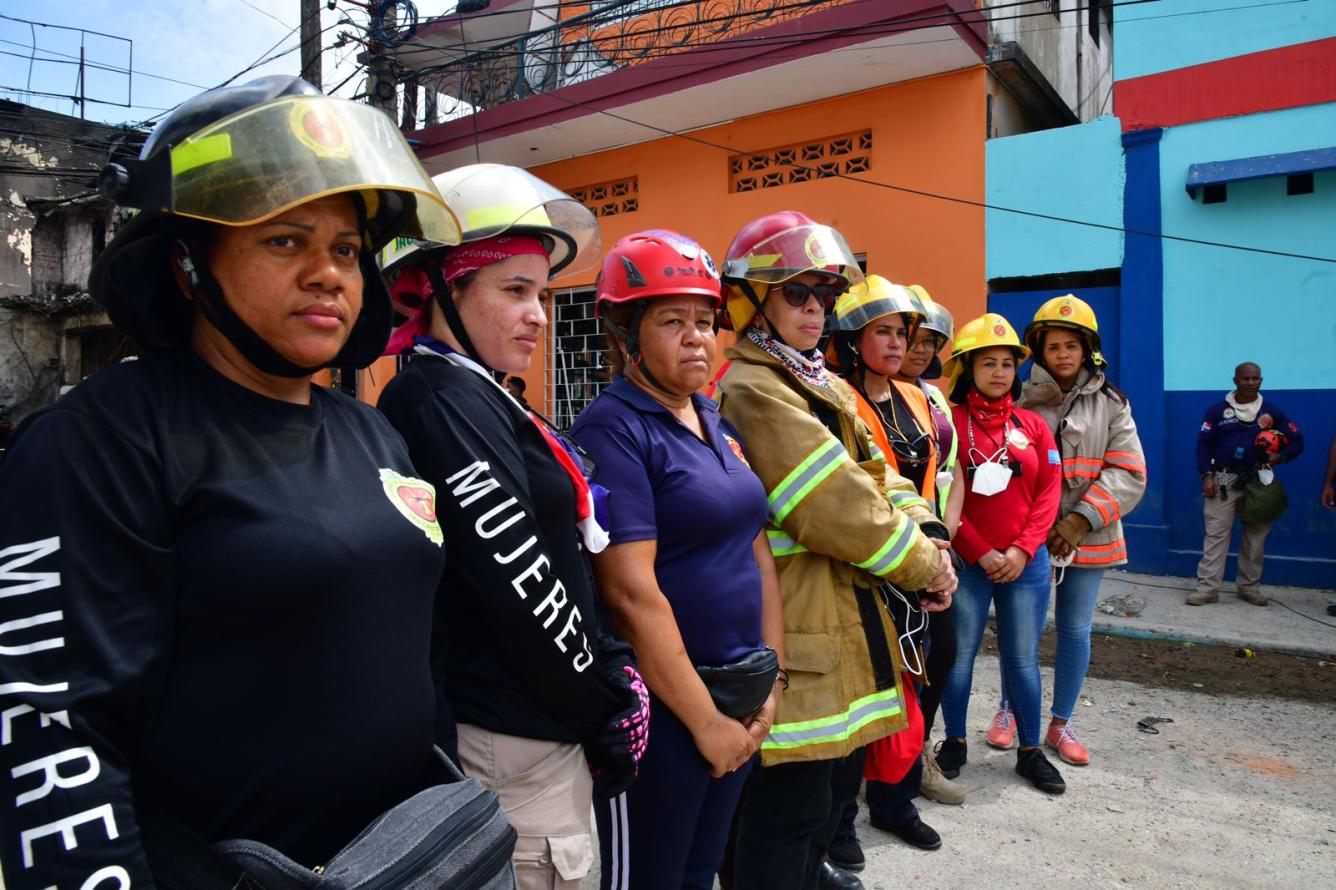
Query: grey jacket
point(1103, 468)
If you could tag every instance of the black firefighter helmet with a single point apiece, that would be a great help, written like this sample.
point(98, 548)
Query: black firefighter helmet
point(240, 155)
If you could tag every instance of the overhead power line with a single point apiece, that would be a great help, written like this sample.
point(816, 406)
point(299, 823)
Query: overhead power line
point(969, 202)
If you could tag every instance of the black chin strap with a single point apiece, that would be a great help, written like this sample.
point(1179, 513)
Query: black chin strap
point(208, 295)
point(440, 290)
point(756, 301)
point(630, 338)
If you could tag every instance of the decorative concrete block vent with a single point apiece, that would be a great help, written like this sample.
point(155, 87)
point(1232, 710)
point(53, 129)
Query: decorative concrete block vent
point(610, 198)
point(801, 162)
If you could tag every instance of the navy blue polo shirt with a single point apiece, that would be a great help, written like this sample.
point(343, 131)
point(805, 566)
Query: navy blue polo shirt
point(699, 500)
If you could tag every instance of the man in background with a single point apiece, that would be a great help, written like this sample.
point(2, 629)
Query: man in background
point(1230, 449)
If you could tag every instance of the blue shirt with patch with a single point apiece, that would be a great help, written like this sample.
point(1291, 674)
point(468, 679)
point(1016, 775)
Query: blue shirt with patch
point(698, 499)
point(1227, 443)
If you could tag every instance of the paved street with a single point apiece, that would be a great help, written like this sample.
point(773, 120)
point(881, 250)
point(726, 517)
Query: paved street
point(1234, 793)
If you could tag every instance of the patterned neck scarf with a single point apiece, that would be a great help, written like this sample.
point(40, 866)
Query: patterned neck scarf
point(988, 413)
point(809, 366)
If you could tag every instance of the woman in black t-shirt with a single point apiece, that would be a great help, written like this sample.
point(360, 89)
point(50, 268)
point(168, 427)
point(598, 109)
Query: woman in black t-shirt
point(540, 690)
point(216, 579)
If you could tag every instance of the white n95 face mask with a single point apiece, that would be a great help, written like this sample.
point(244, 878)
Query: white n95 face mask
point(990, 478)
point(1266, 475)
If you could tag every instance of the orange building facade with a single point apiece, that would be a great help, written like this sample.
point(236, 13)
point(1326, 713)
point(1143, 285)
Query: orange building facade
point(863, 116)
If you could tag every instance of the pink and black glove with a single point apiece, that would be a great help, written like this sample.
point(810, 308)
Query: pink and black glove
point(614, 755)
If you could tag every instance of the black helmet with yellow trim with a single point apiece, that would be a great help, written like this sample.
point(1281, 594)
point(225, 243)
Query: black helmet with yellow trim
point(240, 155)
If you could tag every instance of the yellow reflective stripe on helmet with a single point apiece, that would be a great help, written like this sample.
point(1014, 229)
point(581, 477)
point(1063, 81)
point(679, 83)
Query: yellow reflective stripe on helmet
point(804, 478)
point(487, 217)
point(881, 705)
point(783, 544)
point(201, 152)
point(762, 260)
point(894, 551)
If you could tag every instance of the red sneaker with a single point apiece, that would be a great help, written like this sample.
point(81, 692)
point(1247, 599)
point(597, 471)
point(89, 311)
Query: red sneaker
point(1062, 739)
point(1003, 731)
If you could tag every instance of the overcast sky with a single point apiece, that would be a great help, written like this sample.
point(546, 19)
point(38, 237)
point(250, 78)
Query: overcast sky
point(199, 43)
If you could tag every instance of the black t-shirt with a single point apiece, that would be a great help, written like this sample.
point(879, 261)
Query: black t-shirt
point(221, 600)
point(906, 438)
point(520, 641)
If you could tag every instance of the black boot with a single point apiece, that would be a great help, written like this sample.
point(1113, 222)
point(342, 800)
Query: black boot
point(835, 878)
point(951, 756)
point(1033, 765)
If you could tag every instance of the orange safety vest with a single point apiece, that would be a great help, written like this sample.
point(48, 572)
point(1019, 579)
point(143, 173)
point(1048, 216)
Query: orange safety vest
point(917, 400)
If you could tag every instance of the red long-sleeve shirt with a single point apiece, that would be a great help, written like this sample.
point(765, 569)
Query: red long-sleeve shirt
point(1023, 514)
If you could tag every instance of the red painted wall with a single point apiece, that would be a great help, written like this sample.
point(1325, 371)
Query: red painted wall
point(1288, 77)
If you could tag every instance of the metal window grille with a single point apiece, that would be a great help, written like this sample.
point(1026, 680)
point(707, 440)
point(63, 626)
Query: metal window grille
point(801, 162)
point(576, 369)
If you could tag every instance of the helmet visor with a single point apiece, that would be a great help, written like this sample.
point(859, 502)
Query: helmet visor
point(792, 252)
point(872, 299)
point(937, 318)
point(494, 198)
point(264, 160)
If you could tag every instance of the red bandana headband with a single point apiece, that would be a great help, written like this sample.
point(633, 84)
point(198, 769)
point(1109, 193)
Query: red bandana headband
point(412, 292)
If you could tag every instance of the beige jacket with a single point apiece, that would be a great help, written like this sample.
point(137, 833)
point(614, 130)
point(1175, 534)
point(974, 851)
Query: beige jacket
point(1103, 468)
point(836, 534)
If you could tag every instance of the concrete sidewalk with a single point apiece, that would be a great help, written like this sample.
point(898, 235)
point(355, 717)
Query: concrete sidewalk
point(1280, 626)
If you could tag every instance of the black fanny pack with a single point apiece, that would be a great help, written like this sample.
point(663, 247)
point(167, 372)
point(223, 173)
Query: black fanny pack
point(452, 835)
point(741, 688)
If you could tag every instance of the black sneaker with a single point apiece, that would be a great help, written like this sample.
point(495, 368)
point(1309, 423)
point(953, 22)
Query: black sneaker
point(951, 756)
point(1033, 765)
point(915, 832)
point(846, 853)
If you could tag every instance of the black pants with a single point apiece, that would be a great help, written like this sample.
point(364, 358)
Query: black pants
point(788, 818)
point(941, 656)
point(892, 804)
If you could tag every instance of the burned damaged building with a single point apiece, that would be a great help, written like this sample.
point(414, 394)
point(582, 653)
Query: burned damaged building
point(52, 226)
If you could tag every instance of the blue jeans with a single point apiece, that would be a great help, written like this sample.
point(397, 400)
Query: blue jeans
point(1021, 608)
point(1076, 597)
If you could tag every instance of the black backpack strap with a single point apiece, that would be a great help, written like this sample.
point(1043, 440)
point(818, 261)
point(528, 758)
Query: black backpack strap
point(181, 859)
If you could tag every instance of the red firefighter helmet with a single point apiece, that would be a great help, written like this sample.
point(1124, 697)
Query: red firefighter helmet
point(655, 263)
point(1271, 441)
point(774, 248)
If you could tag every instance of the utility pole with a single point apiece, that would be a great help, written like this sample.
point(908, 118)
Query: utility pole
point(310, 22)
point(381, 85)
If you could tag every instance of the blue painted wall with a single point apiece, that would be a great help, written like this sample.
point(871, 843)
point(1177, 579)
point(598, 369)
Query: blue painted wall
point(1072, 172)
point(1224, 306)
point(1019, 308)
point(1170, 34)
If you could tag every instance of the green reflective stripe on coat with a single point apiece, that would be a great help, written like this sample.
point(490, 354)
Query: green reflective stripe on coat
point(894, 551)
point(782, 544)
point(838, 727)
point(806, 476)
point(944, 491)
point(877, 453)
point(902, 499)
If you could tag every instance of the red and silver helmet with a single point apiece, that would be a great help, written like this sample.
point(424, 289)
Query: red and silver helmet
point(775, 248)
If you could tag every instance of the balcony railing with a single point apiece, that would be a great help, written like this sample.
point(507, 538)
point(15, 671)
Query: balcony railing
point(444, 82)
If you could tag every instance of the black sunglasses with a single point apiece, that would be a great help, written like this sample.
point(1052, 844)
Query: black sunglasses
point(797, 294)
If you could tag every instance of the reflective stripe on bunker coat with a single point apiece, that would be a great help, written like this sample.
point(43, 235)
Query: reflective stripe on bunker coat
point(782, 543)
point(939, 401)
point(804, 478)
point(880, 705)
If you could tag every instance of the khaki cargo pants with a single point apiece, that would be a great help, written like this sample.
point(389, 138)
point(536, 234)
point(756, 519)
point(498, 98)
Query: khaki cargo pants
point(545, 790)
point(1220, 515)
